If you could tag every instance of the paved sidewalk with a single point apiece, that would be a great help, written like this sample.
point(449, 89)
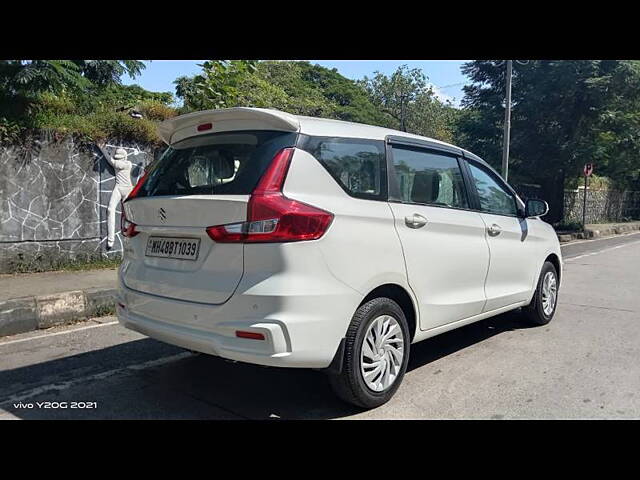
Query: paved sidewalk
point(599, 230)
point(31, 284)
point(32, 301)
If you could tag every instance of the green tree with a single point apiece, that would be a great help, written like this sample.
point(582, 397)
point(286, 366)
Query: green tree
point(564, 114)
point(292, 86)
point(23, 81)
point(396, 93)
point(109, 72)
point(406, 92)
point(218, 86)
point(80, 97)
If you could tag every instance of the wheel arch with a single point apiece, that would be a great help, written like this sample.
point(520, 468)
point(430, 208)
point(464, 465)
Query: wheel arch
point(402, 297)
point(555, 260)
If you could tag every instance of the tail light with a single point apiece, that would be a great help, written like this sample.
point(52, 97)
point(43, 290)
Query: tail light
point(272, 217)
point(127, 228)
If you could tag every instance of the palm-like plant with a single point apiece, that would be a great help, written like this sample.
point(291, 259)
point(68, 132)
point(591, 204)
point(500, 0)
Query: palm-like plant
point(21, 81)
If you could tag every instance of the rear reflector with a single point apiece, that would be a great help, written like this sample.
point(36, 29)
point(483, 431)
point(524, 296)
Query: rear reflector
point(205, 126)
point(127, 228)
point(250, 335)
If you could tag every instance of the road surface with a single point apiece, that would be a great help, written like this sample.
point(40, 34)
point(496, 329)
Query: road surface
point(584, 364)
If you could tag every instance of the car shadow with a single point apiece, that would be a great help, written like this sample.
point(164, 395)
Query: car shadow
point(146, 379)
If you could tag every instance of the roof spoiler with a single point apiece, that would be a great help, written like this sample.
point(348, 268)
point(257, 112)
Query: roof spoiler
point(178, 128)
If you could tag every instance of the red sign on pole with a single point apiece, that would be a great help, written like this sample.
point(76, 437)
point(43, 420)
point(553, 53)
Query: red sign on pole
point(588, 169)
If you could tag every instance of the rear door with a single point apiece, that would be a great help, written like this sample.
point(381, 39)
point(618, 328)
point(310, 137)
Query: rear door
point(446, 254)
point(199, 182)
point(514, 253)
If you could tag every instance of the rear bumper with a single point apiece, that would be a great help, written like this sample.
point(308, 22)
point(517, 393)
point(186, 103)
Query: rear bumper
point(303, 323)
point(272, 351)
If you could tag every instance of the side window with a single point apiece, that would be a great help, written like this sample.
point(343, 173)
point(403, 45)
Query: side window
point(493, 197)
point(357, 165)
point(429, 177)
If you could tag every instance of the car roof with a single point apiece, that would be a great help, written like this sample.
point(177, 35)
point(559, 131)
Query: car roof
point(178, 128)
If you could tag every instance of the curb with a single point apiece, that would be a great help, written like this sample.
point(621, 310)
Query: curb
point(25, 314)
point(614, 229)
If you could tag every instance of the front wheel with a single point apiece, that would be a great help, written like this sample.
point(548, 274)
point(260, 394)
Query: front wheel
point(376, 354)
point(545, 299)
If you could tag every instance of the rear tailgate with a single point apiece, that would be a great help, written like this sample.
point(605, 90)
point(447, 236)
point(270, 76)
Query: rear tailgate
point(208, 276)
point(199, 182)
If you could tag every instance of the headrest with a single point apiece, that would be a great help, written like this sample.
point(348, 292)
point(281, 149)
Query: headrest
point(223, 164)
point(426, 187)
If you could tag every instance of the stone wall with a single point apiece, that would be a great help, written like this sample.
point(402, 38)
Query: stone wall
point(53, 201)
point(602, 206)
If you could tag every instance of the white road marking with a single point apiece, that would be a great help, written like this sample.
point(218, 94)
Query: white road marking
point(47, 335)
point(20, 397)
point(601, 251)
point(4, 415)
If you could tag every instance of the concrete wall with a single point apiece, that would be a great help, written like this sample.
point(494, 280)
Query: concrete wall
point(53, 200)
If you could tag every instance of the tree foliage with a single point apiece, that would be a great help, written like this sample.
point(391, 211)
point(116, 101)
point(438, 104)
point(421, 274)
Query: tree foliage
point(304, 89)
point(218, 86)
point(564, 114)
point(406, 95)
point(83, 97)
point(295, 87)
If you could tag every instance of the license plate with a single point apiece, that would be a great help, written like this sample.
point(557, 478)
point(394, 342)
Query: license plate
point(170, 247)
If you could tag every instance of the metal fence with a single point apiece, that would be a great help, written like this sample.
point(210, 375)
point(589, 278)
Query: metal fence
point(603, 206)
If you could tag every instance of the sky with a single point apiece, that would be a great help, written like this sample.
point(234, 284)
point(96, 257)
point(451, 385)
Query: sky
point(443, 75)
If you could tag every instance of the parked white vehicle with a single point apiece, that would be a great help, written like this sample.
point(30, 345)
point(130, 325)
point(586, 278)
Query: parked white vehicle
point(292, 241)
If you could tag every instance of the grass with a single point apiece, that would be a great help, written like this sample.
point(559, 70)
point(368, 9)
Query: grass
point(38, 265)
point(105, 310)
point(99, 263)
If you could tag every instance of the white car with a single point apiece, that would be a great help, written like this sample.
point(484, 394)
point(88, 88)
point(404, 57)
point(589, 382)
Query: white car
point(291, 241)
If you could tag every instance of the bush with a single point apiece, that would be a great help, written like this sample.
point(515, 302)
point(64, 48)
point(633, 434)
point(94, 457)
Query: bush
point(100, 126)
point(568, 226)
point(155, 110)
point(92, 115)
point(122, 126)
point(10, 132)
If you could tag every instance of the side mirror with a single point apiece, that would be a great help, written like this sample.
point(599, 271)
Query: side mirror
point(536, 208)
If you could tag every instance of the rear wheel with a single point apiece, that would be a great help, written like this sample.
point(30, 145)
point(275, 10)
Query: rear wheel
point(376, 354)
point(545, 299)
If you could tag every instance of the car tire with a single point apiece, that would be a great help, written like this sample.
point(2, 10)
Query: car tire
point(538, 312)
point(382, 326)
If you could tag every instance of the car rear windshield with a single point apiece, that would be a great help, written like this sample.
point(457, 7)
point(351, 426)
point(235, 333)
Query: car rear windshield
point(229, 163)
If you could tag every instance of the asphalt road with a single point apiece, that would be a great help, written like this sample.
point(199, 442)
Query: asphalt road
point(584, 364)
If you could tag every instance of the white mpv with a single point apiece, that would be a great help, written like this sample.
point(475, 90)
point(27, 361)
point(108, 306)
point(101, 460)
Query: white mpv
point(291, 241)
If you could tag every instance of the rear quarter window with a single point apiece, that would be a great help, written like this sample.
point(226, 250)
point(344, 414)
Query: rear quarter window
point(358, 165)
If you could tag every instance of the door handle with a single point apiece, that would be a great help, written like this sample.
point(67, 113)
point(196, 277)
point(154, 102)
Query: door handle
point(415, 221)
point(494, 230)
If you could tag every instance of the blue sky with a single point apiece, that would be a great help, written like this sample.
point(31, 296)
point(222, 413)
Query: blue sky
point(444, 75)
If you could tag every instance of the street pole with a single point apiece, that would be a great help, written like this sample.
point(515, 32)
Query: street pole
point(402, 124)
point(584, 204)
point(507, 124)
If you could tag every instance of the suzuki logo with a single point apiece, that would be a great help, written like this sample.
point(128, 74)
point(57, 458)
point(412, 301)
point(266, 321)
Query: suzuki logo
point(162, 215)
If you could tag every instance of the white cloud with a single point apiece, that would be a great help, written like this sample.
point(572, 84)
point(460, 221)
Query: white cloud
point(443, 97)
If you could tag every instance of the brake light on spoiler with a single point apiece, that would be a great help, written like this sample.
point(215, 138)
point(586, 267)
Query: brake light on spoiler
point(272, 217)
